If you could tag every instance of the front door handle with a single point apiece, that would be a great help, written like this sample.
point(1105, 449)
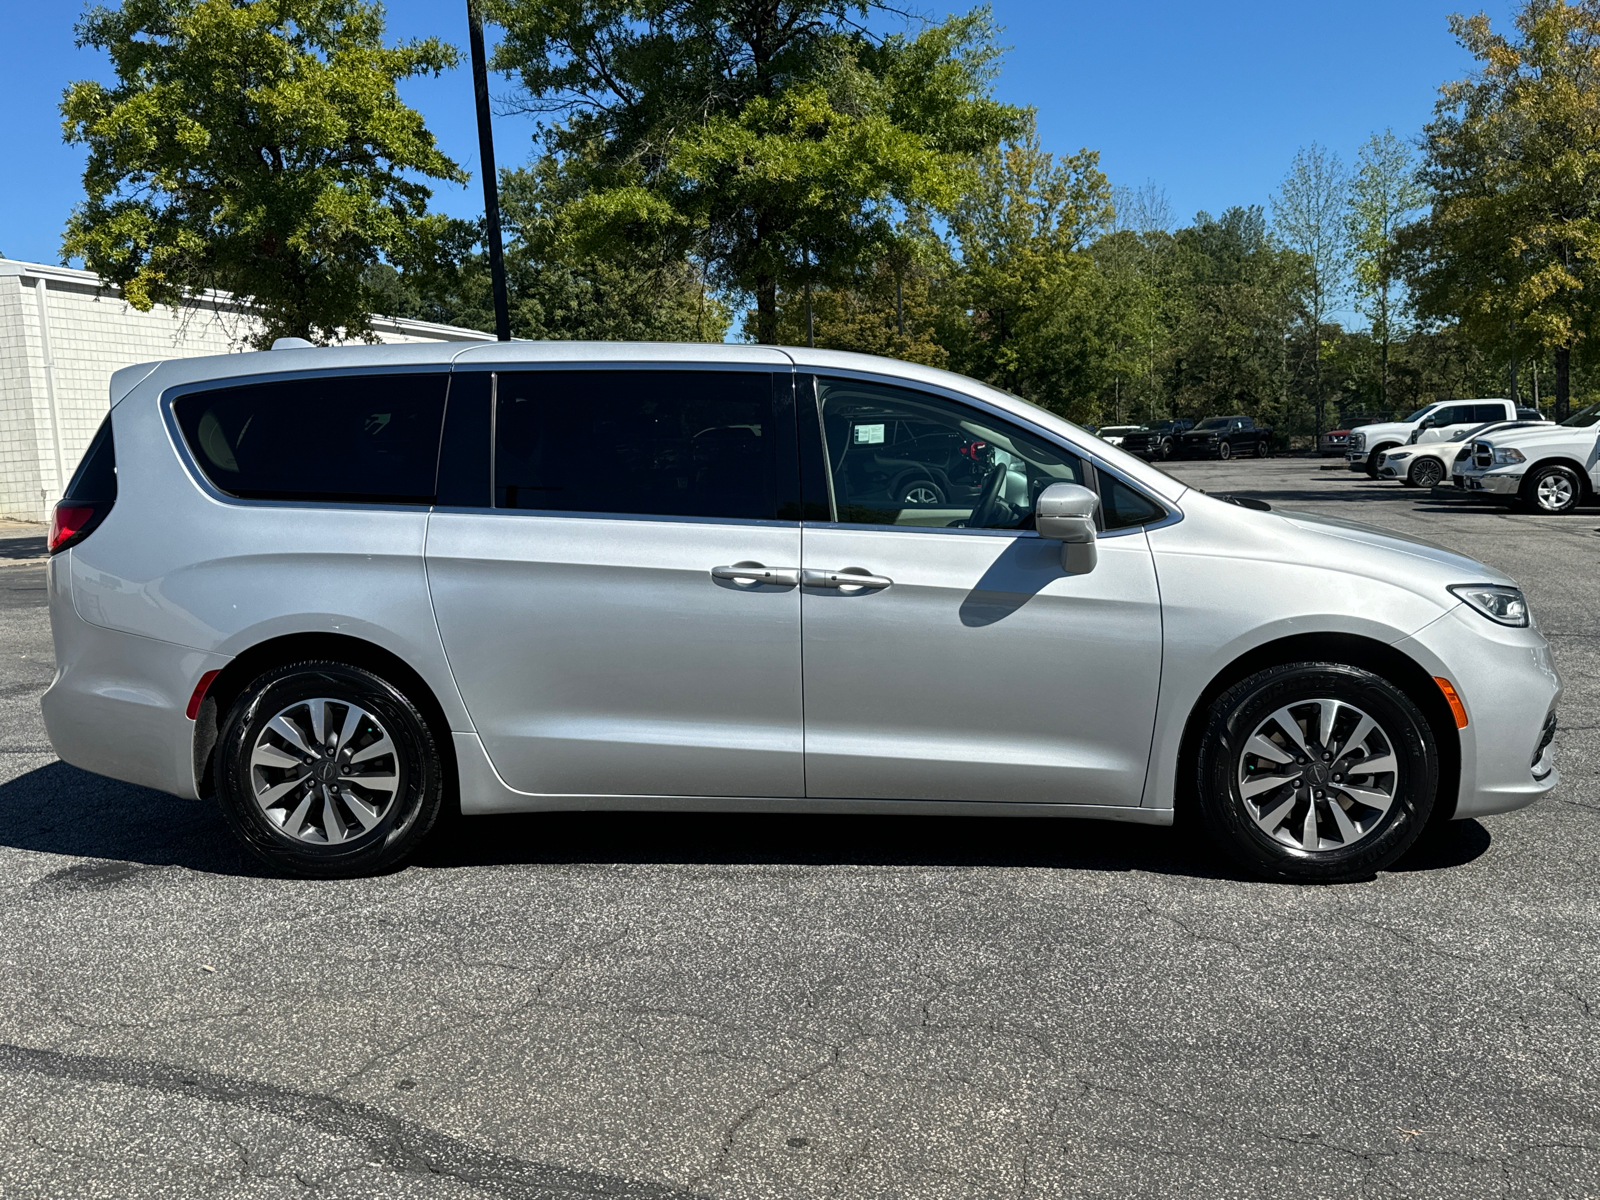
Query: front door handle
point(844, 579)
point(754, 572)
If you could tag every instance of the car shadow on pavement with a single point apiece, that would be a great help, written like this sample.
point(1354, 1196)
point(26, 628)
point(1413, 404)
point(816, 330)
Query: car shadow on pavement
point(59, 809)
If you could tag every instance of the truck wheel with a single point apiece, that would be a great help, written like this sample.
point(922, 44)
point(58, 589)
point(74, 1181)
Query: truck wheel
point(1316, 772)
point(1552, 491)
point(1224, 451)
point(1261, 449)
point(1376, 457)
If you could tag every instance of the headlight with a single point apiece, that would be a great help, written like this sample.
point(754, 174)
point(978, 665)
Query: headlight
point(1508, 457)
point(1397, 455)
point(1504, 605)
point(1358, 441)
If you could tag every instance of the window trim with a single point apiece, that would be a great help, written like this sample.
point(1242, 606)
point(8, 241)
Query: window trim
point(170, 397)
point(1093, 461)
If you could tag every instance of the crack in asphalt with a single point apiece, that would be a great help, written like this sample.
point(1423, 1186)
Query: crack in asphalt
point(385, 1139)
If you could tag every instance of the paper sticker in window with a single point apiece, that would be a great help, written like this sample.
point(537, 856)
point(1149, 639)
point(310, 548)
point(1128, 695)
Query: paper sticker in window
point(869, 435)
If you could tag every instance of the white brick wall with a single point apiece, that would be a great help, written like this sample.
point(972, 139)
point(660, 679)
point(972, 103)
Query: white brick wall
point(55, 375)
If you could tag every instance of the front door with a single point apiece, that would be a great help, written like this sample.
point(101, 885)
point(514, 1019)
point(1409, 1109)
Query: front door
point(968, 665)
point(596, 619)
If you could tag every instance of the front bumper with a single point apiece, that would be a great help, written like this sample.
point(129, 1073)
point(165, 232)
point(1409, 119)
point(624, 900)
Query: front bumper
point(1494, 482)
point(1355, 460)
point(1393, 470)
point(1509, 687)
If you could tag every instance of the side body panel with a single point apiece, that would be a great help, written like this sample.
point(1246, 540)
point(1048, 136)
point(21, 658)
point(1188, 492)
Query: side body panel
point(599, 656)
point(983, 673)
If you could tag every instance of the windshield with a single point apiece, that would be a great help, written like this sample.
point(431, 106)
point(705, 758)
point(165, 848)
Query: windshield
point(1213, 423)
point(1584, 417)
point(1422, 412)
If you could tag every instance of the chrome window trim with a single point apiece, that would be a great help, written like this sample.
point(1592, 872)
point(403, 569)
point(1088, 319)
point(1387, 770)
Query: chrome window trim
point(191, 465)
point(656, 518)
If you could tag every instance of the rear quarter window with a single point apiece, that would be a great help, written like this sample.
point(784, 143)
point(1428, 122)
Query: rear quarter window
point(371, 439)
point(96, 476)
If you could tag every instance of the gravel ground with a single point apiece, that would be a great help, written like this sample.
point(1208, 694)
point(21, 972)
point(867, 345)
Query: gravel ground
point(785, 1007)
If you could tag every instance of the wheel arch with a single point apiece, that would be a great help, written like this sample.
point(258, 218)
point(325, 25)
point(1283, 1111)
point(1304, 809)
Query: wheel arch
point(1356, 651)
point(252, 663)
point(1562, 460)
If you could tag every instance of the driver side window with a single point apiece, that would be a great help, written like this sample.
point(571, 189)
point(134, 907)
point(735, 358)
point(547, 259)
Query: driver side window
point(901, 457)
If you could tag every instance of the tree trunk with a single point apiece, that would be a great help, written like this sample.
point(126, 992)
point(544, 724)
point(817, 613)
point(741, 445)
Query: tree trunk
point(1563, 380)
point(900, 304)
point(766, 310)
point(811, 324)
point(1384, 398)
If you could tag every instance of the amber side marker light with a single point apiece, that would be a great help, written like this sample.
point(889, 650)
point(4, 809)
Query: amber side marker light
point(1457, 709)
point(209, 677)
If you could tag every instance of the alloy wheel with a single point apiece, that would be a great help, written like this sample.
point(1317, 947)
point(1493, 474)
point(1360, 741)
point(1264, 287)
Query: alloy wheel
point(324, 771)
point(1554, 492)
point(1318, 775)
point(1427, 473)
point(922, 493)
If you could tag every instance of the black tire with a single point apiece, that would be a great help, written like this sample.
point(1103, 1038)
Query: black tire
point(1165, 451)
point(1551, 491)
point(927, 491)
point(1261, 448)
point(1224, 451)
point(1426, 473)
point(1235, 716)
point(1375, 456)
point(400, 827)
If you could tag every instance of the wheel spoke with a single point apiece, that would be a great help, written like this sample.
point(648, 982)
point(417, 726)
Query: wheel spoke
point(268, 755)
point(1383, 764)
point(332, 824)
point(352, 722)
point(1308, 831)
point(1358, 736)
point(382, 746)
point(296, 821)
point(1255, 785)
point(379, 782)
point(319, 722)
point(1291, 729)
point(1271, 819)
point(1368, 796)
point(1263, 747)
point(366, 816)
point(278, 791)
point(286, 729)
point(1347, 831)
point(1328, 717)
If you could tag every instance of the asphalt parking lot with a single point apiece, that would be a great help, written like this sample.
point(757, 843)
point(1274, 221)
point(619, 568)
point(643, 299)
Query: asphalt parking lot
point(786, 1007)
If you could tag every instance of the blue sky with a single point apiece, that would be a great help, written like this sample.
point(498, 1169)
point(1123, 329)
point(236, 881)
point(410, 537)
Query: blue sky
point(1208, 101)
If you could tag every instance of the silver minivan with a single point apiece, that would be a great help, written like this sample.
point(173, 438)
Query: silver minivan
point(343, 589)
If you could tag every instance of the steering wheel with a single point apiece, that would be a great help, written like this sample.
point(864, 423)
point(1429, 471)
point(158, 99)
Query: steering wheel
point(988, 498)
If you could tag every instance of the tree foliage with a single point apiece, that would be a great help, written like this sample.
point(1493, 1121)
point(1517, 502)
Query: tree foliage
point(257, 146)
point(1384, 194)
point(757, 137)
point(1511, 245)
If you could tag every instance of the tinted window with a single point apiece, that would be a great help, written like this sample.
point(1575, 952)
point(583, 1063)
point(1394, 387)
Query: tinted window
point(355, 438)
point(900, 457)
point(652, 443)
point(96, 476)
point(1122, 508)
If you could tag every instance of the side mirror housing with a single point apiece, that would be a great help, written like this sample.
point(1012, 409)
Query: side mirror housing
point(1064, 513)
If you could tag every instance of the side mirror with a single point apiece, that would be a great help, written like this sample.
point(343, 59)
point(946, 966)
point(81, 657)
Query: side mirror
point(1064, 513)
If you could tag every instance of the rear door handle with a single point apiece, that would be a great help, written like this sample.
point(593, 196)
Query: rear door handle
point(754, 572)
point(844, 579)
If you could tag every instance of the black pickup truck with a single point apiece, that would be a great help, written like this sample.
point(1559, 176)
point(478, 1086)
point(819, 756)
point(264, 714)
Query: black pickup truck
point(1225, 437)
point(1158, 440)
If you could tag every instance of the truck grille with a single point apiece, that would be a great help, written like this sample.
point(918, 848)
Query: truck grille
point(1482, 454)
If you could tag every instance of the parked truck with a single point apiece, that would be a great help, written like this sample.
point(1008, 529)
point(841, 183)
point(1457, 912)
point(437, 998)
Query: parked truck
point(1225, 437)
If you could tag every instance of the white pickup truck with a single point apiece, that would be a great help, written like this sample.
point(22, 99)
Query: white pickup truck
point(1367, 445)
point(1543, 468)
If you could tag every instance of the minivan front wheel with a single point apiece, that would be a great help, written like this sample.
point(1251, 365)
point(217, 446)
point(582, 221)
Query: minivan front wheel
point(1316, 772)
point(325, 769)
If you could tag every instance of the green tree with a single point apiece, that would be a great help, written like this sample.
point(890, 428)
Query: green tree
point(1308, 213)
point(1384, 194)
point(771, 140)
point(1022, 224)
point(257, 146)
point(1511, 244)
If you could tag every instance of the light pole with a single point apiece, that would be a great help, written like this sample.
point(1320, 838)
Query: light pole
point(491, 190)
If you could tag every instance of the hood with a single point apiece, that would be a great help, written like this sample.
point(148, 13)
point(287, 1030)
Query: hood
point(1539, 435)
point(1458, 567)
point(1387, 429)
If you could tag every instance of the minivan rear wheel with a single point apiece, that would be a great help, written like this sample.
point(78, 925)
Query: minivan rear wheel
point(1316, 772)
point(325, 769)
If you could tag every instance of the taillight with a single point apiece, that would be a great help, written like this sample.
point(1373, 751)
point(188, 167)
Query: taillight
point(73, 520)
